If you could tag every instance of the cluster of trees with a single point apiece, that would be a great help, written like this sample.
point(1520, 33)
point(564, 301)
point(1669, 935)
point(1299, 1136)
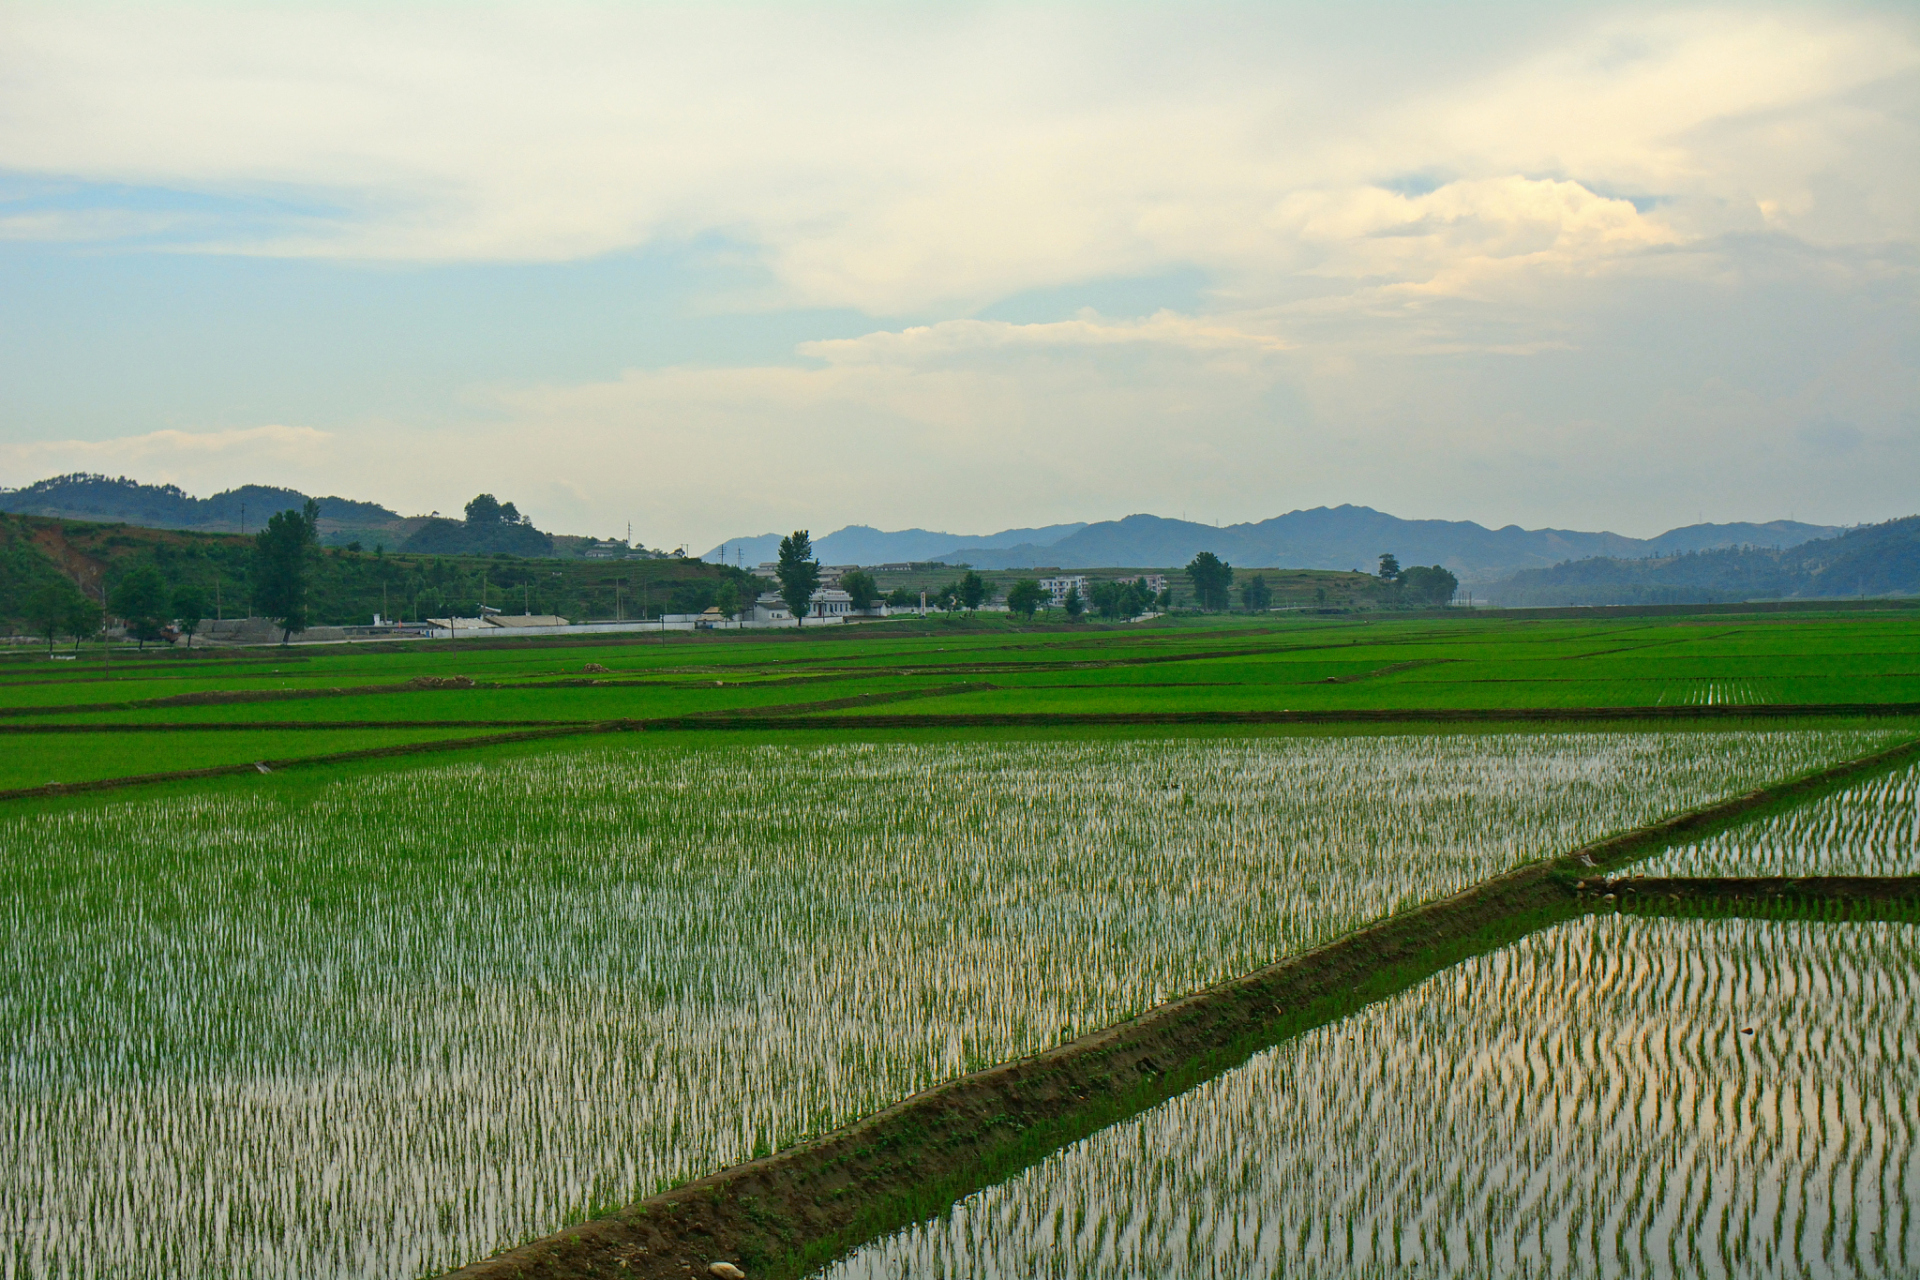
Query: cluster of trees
point(798, 574)
point(1419, 586)
point(1122, 599)
point(1212, 580)
point(160, 582)
point(142, 599)
point(492, 527)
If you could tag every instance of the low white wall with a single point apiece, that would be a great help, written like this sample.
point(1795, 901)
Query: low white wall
point(613, 628)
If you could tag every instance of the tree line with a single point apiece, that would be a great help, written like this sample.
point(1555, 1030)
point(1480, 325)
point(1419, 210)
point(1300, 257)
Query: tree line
point(172, 582)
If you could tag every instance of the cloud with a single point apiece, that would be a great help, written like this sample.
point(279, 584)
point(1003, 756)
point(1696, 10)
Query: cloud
point(1548, 264)
point(949, 338)
point(946, 156)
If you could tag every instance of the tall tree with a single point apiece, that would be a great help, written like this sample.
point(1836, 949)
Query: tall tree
point(282, 555)
point(1256, 595)
point(1074, 605)
point(1025, 596)
point(140, 599)
point(49, 607)
point(861, 589)
point(1389, 568)
point(83, 618)
point(1211, 577)
point(798, 574)
point(189, 608)
point(971, 590)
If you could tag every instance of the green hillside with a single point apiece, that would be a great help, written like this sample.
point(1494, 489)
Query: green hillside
point(347, 586)
point(1874, 560)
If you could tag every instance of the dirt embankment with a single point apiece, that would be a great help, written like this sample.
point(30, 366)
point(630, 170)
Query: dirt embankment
point(781, 1215)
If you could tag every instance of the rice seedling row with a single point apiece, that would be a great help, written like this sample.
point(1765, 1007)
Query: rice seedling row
point(430, 1013)
point(1871, 828)
point(1613, 1096)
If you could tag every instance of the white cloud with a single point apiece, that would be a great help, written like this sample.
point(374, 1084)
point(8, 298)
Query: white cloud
point(950, 338)
point(946, 156)
point(1557, 269)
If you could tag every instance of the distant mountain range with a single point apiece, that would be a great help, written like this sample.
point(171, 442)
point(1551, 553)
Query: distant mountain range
point(1874, 560)
point(1344, 537)
point(1524, 566)
point(863, 544)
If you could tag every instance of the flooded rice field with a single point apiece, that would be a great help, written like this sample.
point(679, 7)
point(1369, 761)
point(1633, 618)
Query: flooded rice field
point(1612, 1096)
point(1869, 829)
point(429, 1014)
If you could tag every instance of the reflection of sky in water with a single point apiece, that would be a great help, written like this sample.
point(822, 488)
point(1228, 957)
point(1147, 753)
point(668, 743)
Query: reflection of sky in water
point(637, 966)
point(1590, 1101)
point(1870, 829)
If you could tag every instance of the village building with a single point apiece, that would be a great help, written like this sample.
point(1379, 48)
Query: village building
point(826, 602)
point(1057, 589)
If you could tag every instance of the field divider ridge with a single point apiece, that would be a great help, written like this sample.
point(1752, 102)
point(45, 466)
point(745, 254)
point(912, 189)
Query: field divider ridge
point(788, 1213)
point(764, 718)
point(52, 789)
point(232, 697)
point(227, 726)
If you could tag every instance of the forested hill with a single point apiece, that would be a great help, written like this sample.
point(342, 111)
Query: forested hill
point(489, 526)
point(111, 499)
point(1874, 560)
point(345, 586)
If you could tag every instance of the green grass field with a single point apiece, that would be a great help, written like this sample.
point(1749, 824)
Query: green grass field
point(941, 668)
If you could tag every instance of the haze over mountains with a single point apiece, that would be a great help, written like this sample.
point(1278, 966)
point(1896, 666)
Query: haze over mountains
point(1872, 560)
point(1343, 537)
point(1521, 566)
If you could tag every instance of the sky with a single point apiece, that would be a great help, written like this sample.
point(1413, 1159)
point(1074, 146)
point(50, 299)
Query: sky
point(720, 269)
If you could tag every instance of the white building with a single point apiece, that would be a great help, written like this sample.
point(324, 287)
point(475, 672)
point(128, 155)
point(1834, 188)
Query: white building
point(830, 574)
point(826, 602)
point(494, 620)
point(1057, 588)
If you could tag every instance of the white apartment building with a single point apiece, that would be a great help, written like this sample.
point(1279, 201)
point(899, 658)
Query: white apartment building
point(1057, 588)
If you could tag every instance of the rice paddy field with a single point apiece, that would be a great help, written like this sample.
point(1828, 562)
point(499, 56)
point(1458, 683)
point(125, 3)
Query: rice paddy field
point(1871, 829)
point(936, 669)
point(1612, 1096)
point(392, 1023)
